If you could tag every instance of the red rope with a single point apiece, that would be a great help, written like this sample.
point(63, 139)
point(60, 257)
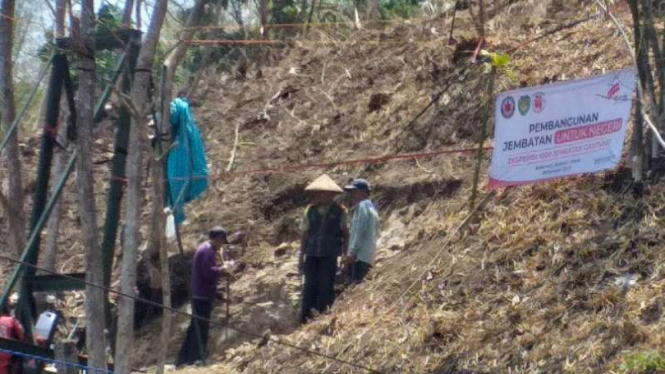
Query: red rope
point(119, 179)
point(410, 21)
point(333, 42)
point(328, 165)
point(51, 132)
point(479, 47)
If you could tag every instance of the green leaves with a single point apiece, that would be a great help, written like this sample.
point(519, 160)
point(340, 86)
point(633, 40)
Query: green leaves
point(639, 363)
point(498, 62)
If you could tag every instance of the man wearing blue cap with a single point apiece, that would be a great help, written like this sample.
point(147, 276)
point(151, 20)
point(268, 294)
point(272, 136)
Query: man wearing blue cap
point(205, 276)
point(364, 230)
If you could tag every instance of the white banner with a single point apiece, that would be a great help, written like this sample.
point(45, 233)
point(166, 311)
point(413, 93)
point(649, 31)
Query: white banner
point(562, 129)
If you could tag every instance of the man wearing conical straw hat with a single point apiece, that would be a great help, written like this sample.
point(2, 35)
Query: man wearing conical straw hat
point(325, 237)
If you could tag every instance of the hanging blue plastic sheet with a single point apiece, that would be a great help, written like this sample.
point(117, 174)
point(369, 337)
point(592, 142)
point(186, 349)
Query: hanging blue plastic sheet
point(187, 170)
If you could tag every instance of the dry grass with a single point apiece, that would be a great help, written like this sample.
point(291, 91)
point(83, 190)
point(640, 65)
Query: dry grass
point(533, 287)
point(562, 277)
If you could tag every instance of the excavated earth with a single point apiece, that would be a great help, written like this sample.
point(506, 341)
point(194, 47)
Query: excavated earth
point(559, 277)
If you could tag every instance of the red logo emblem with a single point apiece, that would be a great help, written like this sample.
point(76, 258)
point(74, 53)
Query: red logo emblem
point(613, 90)
point(538, 102)
point(508, 107)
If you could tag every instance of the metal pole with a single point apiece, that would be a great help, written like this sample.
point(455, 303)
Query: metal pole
point(71, 102)
point(17, 120)
point(116, 188)
point(109, 88)
point(26, 305)
point(34, 235)
point(47, 211)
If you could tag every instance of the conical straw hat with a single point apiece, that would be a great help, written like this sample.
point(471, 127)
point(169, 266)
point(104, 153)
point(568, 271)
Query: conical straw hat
point(324, 183)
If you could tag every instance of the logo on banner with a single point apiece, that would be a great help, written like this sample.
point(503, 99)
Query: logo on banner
point(508, 107)
point(616, 87)
point(614, 92)
point(538, 102)
point(524, 104)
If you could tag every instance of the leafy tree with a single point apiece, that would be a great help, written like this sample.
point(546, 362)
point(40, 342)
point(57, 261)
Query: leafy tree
point(399, 8)
point(107, 22)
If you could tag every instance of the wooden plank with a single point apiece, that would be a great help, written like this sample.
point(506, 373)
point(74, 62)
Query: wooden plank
point(54, 283)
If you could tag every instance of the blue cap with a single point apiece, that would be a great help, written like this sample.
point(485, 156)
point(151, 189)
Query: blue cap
point(217, 232)
point(359, 184)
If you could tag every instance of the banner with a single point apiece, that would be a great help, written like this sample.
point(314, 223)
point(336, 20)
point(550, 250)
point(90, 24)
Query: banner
point(563, 129)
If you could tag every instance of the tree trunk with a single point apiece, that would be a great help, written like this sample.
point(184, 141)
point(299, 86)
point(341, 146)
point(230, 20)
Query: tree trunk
point(94, 305)
point(237, 15)
point(140, 96)
point(311, 15)
point(478, 21)
point(170, 65)
point(157, 242)
point(263, 13)
point(319, 7)
point(157, 239)
point(263, 18)
point(173, 60)
point(166, 316)
point(7, 114)
point(208, 53)
point(483, 134)
point(51, 245)
point(65, 353)
point(658, 102)
point(53, 225)
point(481, 19)
point(169, 68)
point(637, 146)
point(303, 11)
point(127, 13)
point(159, 171)
point(60, 13)
point(373, 12)
point(138, 14)
point(21, 36)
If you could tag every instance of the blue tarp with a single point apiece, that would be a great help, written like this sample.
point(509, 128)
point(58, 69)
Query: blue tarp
point(187, 161)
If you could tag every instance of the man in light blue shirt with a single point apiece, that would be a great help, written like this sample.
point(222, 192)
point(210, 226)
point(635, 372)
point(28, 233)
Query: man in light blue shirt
point(364, 230)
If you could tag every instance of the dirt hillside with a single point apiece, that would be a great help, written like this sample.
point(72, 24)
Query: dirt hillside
point(560, 277)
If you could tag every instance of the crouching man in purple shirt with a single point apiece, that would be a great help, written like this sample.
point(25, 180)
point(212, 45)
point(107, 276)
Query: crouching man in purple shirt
point(205, 276)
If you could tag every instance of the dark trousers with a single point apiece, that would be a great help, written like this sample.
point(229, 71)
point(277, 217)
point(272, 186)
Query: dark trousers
point(360, 270)
point(319, 289)
point(197, 333)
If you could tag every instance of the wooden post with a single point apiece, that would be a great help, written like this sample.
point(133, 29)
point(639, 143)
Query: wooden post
point(483, 135)
point(65, 351)
point(641, 62)
point(117, 182)
point(651, 37)
point(228, 308)
point(452, 23)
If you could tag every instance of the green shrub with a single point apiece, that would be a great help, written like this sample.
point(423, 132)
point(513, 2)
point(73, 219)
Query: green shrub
point(644, 363)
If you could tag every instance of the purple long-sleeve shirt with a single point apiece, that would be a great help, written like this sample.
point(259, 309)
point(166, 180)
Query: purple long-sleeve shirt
point(205, 272)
